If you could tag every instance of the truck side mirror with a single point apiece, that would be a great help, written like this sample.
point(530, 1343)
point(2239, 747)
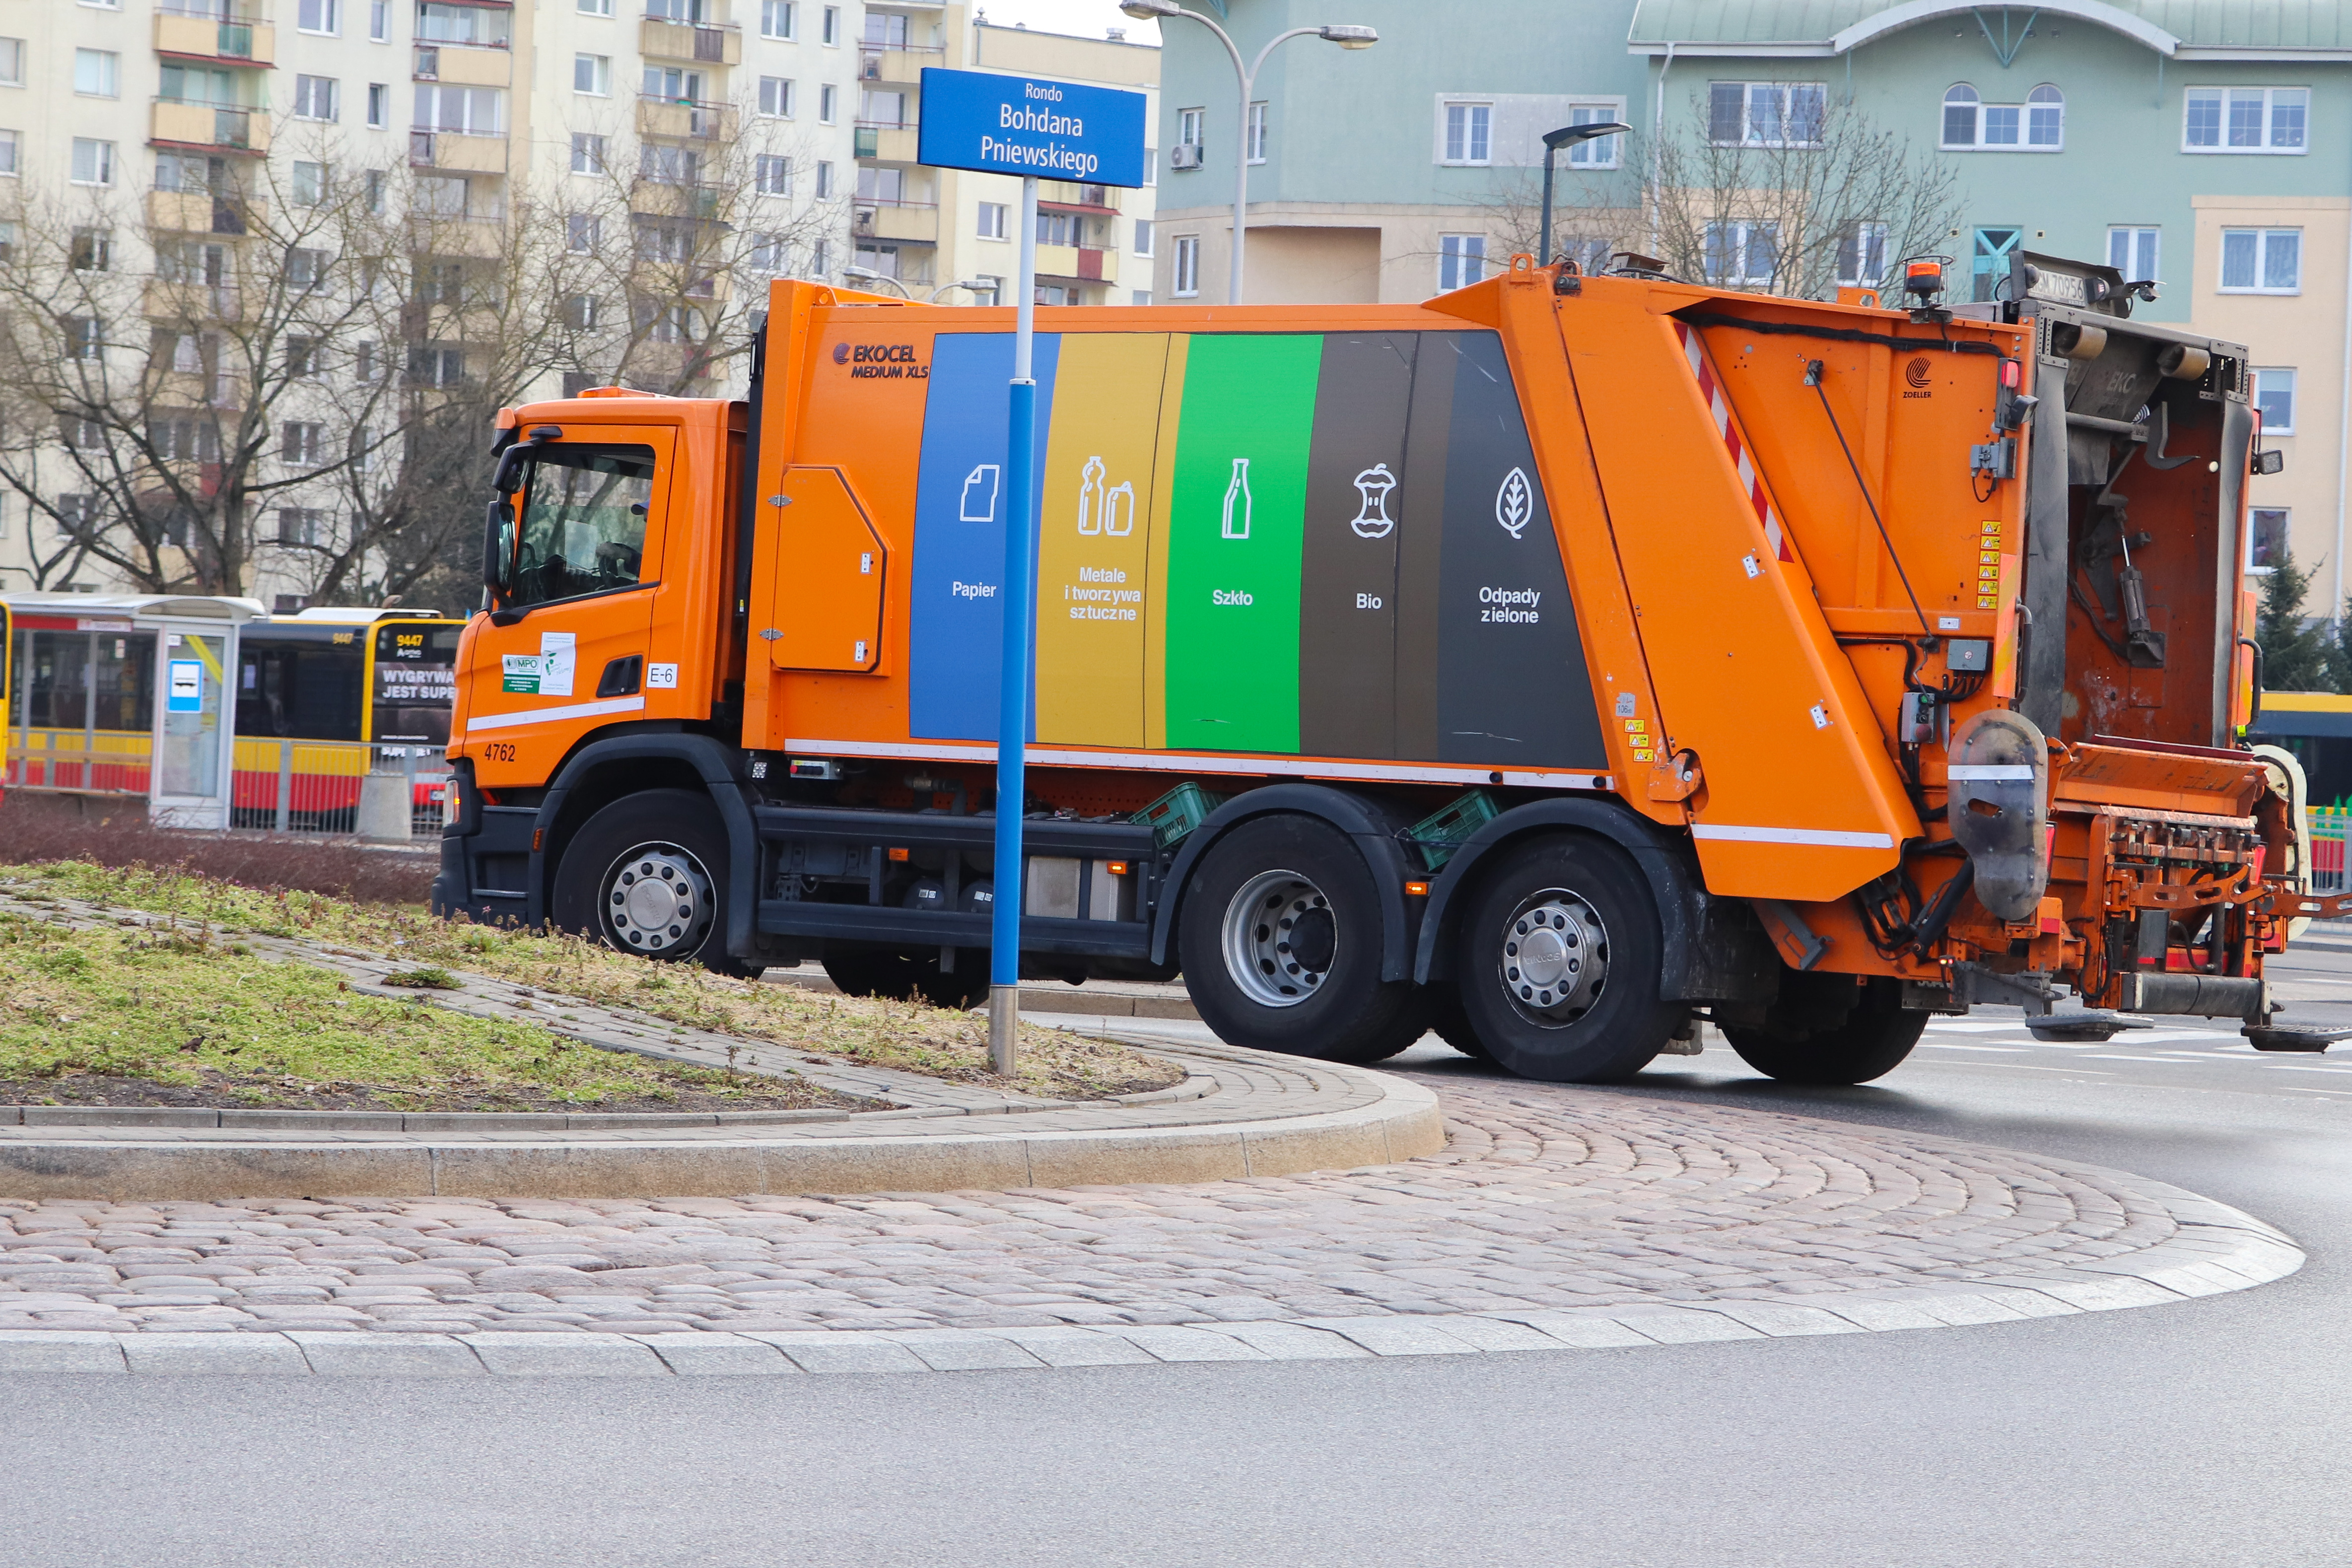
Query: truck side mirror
point(498, 544)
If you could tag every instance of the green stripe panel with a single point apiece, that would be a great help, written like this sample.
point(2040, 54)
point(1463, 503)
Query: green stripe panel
point(1238, 529)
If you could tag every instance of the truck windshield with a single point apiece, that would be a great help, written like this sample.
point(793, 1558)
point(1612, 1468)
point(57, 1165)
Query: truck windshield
point(583, 522)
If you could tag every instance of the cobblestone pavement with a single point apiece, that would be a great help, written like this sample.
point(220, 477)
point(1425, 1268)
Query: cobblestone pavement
point(1547, 1201)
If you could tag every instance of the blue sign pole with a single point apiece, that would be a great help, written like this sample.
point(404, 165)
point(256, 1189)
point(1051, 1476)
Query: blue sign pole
point(1013, 700)
point(1032, 128)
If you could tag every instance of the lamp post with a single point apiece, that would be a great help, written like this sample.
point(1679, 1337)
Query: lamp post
point(1347, 36)
point(867, 274)
point(1566, 136)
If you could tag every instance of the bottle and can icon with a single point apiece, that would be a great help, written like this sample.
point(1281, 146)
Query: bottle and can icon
point(1237, 502)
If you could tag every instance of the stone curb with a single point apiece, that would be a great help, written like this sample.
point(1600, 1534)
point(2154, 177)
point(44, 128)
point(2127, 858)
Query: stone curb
point(1266, 1115)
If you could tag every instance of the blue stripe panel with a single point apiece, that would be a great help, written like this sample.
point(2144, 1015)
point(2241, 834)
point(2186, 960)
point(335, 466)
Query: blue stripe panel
point(957, 625)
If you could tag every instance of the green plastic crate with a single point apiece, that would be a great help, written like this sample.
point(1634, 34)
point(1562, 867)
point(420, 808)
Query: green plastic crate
point(1439, 836)
point(1178, 812)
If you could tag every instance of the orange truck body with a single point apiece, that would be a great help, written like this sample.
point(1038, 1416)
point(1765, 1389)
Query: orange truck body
point(1727, 581)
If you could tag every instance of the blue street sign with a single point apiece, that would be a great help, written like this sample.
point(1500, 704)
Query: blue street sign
point(1029, 125)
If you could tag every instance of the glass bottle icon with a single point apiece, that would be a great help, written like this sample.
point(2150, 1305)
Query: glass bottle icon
point(1090, 494)
point(1237, 516)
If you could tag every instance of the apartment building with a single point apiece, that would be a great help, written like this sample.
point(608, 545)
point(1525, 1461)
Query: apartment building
point(157, 134)
point(2205, 148)
point(953, 236)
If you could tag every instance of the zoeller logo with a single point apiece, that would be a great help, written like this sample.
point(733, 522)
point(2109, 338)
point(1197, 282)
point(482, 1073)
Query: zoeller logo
point(1915, 372)
point(1515, 503)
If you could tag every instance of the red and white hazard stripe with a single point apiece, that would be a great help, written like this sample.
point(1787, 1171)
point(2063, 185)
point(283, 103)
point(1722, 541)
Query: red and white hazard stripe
point(1721, 410)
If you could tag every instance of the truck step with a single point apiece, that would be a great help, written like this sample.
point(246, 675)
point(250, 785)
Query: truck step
point(2274, 1037)
point(2089, 1027)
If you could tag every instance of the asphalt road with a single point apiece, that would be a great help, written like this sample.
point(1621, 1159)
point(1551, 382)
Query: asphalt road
point(2209, 1433)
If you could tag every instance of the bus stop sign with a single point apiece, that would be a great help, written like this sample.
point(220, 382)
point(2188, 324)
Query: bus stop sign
point(1026, 125)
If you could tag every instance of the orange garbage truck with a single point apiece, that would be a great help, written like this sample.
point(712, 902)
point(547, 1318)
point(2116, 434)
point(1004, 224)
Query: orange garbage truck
point(1556, 663)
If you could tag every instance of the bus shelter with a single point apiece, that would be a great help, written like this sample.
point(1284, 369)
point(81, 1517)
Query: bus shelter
point(127, 695)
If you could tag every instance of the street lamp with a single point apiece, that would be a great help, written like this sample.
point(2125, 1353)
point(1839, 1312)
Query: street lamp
point(867, 274)
point(1566, 136)
point(1347, 36)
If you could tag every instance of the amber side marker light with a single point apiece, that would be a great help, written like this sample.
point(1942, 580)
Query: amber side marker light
point(897, 854)
point(1417, 889)
point(1117, 868)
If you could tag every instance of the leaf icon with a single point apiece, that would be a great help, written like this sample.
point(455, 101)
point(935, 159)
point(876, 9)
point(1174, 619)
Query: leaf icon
point(1515, 503)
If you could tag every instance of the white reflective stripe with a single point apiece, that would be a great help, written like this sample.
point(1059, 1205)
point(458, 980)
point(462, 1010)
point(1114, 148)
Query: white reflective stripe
point(1988, 772)
point(1821, 838)
point(553, 714)
point(1190, 762)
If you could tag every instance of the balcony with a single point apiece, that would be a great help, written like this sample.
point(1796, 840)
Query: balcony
point(462, 65)
point(668, 199)
point(885, 143)
point(915, 221)
point(191, 124)
point(1072, 197)
point(233, 41)
point(162, 299)
point(456, 153)
point(1083, 263)
point(202, 213)
point(686, 121)
point(897, 65)
point(701, 42)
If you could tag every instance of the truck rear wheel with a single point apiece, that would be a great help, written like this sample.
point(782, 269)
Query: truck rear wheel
point(1871, 1042)
point(649, 874)
point(1557, 964)
point(1280, 939)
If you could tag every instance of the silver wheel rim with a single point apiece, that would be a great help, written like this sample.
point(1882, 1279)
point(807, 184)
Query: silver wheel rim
point(657, 901)
point(1281, 938)
point(1554, 958)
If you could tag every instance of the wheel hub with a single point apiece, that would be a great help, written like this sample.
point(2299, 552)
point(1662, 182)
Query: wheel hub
point(1281, 938)
point(657, 899)
point(1555, 957)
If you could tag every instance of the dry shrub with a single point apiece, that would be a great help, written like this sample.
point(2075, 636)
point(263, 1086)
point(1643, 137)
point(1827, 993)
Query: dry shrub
point(35, 828)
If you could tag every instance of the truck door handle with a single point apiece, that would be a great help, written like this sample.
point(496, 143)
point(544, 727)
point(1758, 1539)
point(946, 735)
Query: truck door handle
point(623, 677)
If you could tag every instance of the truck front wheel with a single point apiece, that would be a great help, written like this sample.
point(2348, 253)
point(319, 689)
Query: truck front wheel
point(649, 874)
point(1280, 939)
point(1871, 1041)
point(1559, 961)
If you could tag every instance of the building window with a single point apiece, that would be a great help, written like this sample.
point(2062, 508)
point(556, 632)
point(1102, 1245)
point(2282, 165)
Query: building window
point(820, 258)
point(993, 219)
point(1469, 134)
point(379, 21)
point(587, 153)
point(299, 526)
point(581, 231)
point(828, 104)
point(1056, 229)
point(8, 154)
point(98, 73)
point(2245, 120)
point(2266, 538)
point(773, 175)
point(1152, 166)
point(596, 7)
point(1143, 236)
point(578, 311)
point(1739, 253)
point(314, 98)
point(379, 106)
point(301, 442)
point(1188, 267)
point(1188, 127)
point(778, 19)
point(2275, 395)
point(463, 110)
point(93, 162)
point(771, 253)
point(375, 191)
point(318, 16)
point(593, 74)
point(776, 97)
point(1861, 254)
point(1601, 152)
point(2037, 125)
point(2262, 261)
point(302, 356)
point(1461, 260)
point(832, 28)
point(1140, 297)
point(309, 184)
point(882, 108)
point(91, 250)
point(2133, 253)
point(823, 180)
point(306, 270)
point(12, 62)
point(1766, 113)
point(1257, 133)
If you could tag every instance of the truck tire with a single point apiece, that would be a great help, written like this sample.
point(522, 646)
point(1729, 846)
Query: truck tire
point(860, 969)
point(649, 874)
point(1558, 960)
point(1280, 937)
point(1876, 1036)
point(1452, 1025)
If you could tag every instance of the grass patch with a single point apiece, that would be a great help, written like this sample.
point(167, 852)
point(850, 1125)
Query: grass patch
point(146, 1017)
point(425, 979)
point(912, 1036)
